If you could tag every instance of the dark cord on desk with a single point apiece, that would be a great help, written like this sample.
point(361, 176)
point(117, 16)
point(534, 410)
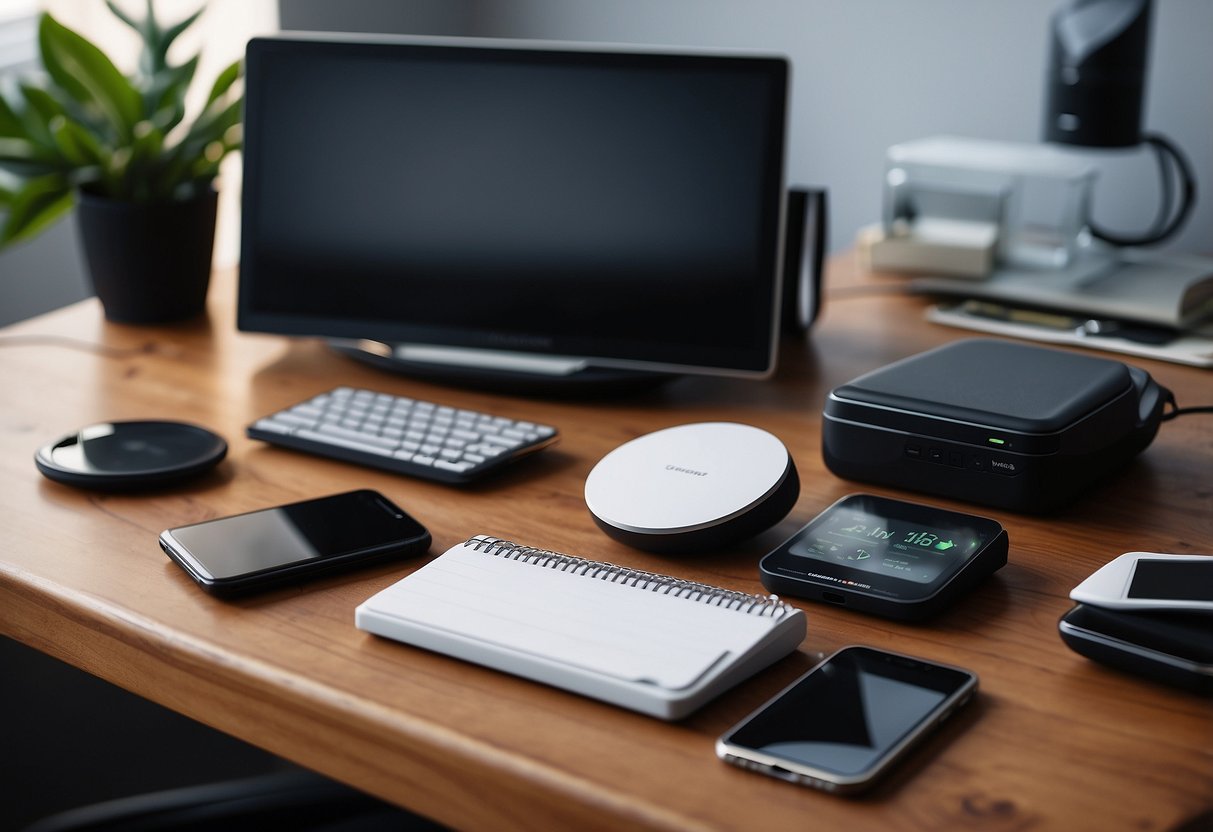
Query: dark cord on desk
point(1183, 411)
point(1176, 410)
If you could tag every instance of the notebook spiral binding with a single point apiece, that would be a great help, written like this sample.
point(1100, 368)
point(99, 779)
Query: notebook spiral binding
point(653, 581)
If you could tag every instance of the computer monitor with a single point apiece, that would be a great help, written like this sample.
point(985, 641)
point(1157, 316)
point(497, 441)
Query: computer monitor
point(516, 206)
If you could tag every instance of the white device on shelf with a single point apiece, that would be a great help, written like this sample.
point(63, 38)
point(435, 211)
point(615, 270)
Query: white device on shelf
point(1150, 581)
point(692, 487)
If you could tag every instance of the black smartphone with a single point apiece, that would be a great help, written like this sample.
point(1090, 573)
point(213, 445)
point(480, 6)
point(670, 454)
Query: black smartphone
point(842, 725)
point(273, 546)
point(1169, 646)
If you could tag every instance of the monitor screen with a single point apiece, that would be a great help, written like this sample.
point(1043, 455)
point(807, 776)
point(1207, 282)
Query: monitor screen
point(620, 207)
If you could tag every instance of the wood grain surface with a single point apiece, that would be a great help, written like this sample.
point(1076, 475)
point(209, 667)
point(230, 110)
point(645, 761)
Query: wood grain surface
point(1052, 742)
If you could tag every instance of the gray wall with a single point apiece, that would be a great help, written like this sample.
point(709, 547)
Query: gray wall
point(42, 274)
point(867, 74)
point(872, 73)
point(415, 17)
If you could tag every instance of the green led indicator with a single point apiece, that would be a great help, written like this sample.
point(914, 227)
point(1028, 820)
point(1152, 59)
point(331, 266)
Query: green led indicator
point(995, 441)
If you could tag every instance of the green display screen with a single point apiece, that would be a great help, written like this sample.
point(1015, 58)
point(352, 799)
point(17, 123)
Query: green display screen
point(896, 548)
point(886, 556)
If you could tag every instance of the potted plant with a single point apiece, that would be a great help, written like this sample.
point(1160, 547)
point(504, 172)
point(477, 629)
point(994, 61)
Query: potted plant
point(121, 150)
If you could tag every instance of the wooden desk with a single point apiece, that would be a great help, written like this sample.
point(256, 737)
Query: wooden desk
point(1054, 741)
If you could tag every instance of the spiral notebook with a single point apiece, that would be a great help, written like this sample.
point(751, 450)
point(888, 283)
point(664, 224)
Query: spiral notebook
point(653, 643)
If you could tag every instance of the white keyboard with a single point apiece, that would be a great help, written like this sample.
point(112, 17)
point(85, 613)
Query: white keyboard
point(403, 435)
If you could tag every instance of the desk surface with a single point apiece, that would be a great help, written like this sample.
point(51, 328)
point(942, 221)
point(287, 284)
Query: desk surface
point(1054, 741)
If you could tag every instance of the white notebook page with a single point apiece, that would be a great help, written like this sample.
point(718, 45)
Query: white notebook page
point(615, 629)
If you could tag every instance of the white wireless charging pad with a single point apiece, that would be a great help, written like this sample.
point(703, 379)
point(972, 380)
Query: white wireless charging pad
point(693, 487)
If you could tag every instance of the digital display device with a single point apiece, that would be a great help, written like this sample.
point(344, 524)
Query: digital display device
point(886, 556)
point(616, 208)
point(843, 723)
point(887, 546)
point(274, 545)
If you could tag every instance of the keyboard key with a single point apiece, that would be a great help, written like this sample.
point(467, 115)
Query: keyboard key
point(272, 426)
point(458, 467)
point(291, 418)
point(343, 442)
point(363, 437)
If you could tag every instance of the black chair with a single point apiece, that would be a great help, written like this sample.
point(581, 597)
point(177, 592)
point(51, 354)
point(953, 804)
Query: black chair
point(293, 800)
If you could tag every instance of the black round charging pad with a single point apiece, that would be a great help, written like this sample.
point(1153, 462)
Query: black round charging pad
point(128, 455)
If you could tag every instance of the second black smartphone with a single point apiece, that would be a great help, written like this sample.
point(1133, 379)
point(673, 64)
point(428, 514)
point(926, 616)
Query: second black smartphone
point(274, 546)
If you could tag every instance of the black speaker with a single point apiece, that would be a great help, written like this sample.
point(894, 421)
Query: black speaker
point(803, 256)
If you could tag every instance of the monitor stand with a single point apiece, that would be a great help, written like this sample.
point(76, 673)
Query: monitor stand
point(499, 371)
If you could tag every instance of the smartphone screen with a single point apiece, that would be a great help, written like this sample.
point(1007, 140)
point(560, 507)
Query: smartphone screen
point(841, 724)
point(1172, 579)
point(272, 545)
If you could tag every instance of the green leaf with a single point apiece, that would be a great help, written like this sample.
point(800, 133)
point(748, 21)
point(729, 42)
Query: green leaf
point(151, 28)
point(43, 103)
point(34, 206)
point(124, 17)
point(88, 76)
point(77, 144)
point(37, 108)
point(173, 32)
point(149, 140)
point(7, 191)
point(177, 79)
point(10, 122)
point(91, 176)
point(212, 124)
point(187, 160)
point(23, 150)
point(223, 83)
point(166, 97)
point(151, 60)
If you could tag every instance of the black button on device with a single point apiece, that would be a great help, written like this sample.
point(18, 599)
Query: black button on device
point(935, 455)
point(977, 463)
point(956, 459)
point(914, 451)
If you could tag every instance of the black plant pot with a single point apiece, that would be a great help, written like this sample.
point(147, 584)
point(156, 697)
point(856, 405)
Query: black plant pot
point(149, 263)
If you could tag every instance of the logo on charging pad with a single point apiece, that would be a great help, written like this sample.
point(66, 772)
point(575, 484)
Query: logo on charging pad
point(690, 471)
